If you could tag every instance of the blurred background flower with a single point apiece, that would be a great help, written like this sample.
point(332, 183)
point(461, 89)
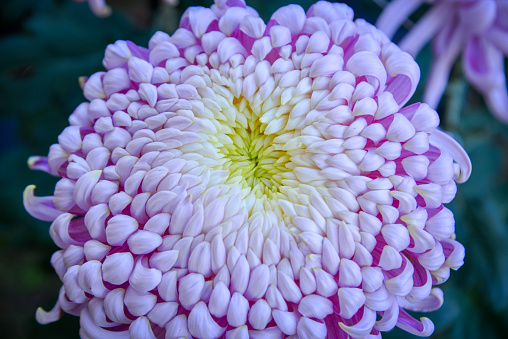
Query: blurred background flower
point(475, 30)
point(48, 44)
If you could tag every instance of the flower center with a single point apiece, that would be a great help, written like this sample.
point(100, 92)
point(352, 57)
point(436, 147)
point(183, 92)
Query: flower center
point(253, 158)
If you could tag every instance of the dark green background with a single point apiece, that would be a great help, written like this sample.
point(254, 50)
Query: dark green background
point(45, 45)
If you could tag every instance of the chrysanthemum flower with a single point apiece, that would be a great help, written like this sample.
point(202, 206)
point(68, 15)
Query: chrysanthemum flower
point(476, 28)
point(241, 179)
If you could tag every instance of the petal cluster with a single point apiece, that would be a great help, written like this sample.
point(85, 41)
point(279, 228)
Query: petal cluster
point(475, 29)
point(247, 179)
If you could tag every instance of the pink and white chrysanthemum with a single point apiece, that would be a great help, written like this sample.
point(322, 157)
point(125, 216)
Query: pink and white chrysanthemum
point(476, 28)
point(240, 179)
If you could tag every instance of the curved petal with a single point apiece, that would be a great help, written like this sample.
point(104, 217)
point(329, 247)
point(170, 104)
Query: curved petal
point(484, 67)
point(433, 302)
point(446, 143)
point(41, 208)
point(423, 328)
point(426, 28)
point(363, 327)
point(39, 163)
point(442, 64)
point(90, 330)
point(394, 14)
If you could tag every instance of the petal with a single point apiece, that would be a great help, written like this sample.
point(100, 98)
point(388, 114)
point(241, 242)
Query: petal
point(423, 328)
point(394, 15)
point(41, 208)
point(426, 28)
point(315, 306)
point(291, 16)
point(201, 324)
point(141, 329)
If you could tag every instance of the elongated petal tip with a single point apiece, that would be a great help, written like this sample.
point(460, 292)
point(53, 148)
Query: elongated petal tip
point(39, 163)
point(445, 142)
point(41, 208)
point(46, 317)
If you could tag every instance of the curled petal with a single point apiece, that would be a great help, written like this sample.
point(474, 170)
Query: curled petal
point(423, 328)
point(201, 324)
point(431, 303)
point(140, 328)
point(39, 207)
point(47, 317)
point(443, 141)
point(363, 327)
point(90, 330)
point(394, 14)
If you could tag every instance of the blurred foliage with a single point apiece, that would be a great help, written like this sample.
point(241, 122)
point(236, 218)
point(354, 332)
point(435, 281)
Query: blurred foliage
point(47, 44)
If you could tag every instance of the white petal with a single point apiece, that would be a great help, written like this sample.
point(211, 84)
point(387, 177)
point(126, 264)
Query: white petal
point(240, 275)
point(117, 267)
point(238, 309)
point(158, 223)
point(260, 314)
point(189, 289)
point(201, 324)
point(325, 283)
point(310, 329)
point(162, 313)
point(292, 16)
point(143, 242)
point(403, 283)
point(219, 300)
point(286, 321)
point(275, 299)
point(218, 253)
point(140, 70)
point(350, 301)
point(307, 281)
point(90, 330)
point(83, 189)
point(114, 306)
point(396, 235)
point(141, 329)
point(288, 288)
point(240, 332)
point(400, 129)
point(431, 193)
point(144, 279)
point(95, 250)
point(89, 279)
point(330, 257)
point(258, 282)
point(349, 274)
point(167, 287)
point(181, 216)
point(363, 327)
point(177, 328)
point(139, 303)
point(372, 278)
point(119, 228)
point(315, 306)
point(390, 258)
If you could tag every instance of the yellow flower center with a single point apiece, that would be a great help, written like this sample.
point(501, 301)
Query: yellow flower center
point(253, 159)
